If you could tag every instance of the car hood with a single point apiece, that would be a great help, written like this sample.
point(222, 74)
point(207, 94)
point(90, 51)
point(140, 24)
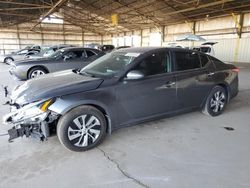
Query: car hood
point(53, 85)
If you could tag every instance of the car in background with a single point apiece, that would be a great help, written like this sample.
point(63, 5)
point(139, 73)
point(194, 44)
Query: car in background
point(20, 54)
point(206, 48)
point(92, 45)
point(66, 58)
point(48, 50)
point(175, 45)
point(122, 47)
point(122, 88)
point(107, 48)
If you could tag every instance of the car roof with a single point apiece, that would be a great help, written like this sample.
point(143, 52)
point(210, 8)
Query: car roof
point(148, 49)
point(78, 48)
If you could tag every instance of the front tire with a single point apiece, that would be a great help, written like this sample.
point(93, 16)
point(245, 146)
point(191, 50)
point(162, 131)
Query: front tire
point(216, 101)
point(82, 128)
point(36, 71)
point(8, 60)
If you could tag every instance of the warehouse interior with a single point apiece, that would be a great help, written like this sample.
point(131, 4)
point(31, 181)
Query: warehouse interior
point(190, 150)
point(148, 23)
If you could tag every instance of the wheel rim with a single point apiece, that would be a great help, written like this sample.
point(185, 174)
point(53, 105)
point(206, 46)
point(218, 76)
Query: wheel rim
point(37, 73)
point(218, 101)
point(8, 61)
point(84, 130)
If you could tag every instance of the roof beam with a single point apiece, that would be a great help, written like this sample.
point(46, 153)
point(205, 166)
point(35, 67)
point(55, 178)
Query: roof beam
point(15, 14)
point(24, 8)
point(199, 7)
point(52, 10)
point(155, 20)
point(19, 3)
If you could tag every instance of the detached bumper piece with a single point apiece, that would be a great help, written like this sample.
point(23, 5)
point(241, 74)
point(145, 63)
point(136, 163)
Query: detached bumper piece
point(39, 132)
point(20, 132)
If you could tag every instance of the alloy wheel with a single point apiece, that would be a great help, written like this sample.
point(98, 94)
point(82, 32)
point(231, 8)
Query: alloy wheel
point(8, 60)
point(84, 130)
point(37, 73)
point(218, 101)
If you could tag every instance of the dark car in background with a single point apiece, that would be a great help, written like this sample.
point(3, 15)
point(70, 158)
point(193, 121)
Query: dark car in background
point(122, 88)
point(66, 58)
point(107, 48)
point(121, 47)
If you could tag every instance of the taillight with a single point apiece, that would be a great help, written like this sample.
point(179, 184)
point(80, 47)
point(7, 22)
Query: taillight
point(237, 70)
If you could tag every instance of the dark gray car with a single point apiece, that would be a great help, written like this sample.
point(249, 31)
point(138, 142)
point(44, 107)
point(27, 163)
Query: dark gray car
point(122, 88)
point(66, 58)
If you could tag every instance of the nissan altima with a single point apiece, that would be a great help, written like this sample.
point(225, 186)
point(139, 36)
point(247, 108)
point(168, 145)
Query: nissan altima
point(122, 88)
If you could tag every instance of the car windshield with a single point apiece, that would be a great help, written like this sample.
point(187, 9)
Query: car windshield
point(56, 54)
point(110, 64)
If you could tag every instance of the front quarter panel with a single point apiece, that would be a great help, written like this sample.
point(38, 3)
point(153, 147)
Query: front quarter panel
point(20, 71)
point(101, 97)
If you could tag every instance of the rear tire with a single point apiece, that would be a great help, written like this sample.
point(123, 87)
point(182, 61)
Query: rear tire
point(36, 71)
point(82, 128)
point(216, 101)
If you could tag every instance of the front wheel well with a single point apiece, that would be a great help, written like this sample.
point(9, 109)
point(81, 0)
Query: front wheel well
point(101, 109)
point(37, 66)
point(106, 116)
point(8, 58)
point(227, 90)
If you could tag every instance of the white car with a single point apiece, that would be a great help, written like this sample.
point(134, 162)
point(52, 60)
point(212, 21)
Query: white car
point(206, 48)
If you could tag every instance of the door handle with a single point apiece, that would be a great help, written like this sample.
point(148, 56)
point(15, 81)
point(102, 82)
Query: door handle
point(210, 74)
point(169, 84)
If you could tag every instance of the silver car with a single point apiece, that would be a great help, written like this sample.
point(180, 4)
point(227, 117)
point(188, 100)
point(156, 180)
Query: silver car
point(20, 54)
point(66, 58)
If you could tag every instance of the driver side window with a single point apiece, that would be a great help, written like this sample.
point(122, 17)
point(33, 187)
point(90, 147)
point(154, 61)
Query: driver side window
point(74, 55)
point(156, 63)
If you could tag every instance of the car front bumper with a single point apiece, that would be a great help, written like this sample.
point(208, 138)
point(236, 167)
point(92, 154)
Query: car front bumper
point(2, 58)
point(29, 120)
point(18, 73)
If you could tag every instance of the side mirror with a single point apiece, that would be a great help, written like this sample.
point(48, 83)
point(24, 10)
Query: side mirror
point(134, 75)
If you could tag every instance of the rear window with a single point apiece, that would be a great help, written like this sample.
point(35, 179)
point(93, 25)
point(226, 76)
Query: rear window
point(205, 49)
point(216, 62)
point(186, 60)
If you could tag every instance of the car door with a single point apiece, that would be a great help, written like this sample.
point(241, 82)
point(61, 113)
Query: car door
point(152, 95)
point(193, 78)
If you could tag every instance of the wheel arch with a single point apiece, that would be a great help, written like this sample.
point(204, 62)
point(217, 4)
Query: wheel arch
point(227, 88)
point(37, 66)
point(224, 85)
point(62, 107)
point(8, 57)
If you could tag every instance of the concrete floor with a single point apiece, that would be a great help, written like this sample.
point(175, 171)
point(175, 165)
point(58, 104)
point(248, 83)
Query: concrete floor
point(186, 151)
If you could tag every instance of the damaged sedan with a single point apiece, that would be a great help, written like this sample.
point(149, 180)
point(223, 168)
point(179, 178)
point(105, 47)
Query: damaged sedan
point(122, 88)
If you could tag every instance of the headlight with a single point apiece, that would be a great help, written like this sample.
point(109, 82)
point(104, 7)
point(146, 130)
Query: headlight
point(31, 113)
point(46, 104)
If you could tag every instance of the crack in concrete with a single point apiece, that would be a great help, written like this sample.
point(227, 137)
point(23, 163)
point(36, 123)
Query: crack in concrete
point(121, 170)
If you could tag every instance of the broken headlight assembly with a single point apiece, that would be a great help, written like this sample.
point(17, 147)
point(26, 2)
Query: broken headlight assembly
point(31, 119)
point(31, 113)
